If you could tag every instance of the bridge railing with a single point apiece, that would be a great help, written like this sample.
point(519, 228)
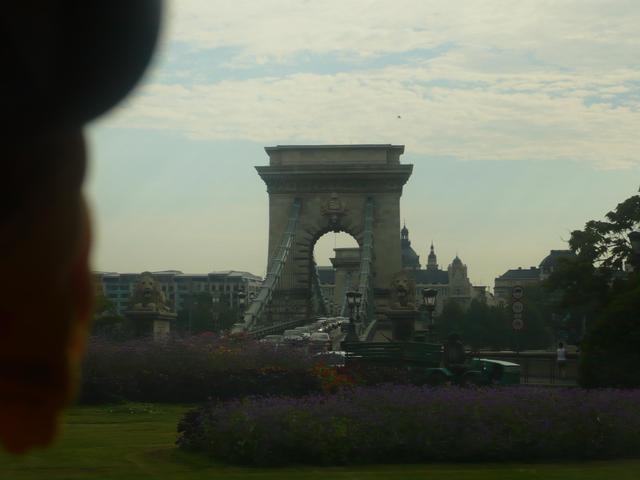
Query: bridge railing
point(344, 309)
point(253, 315)
point(317, 300)
point(365, 280)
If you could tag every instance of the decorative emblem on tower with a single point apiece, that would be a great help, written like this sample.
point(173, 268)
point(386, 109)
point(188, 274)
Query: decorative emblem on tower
point(334, 210)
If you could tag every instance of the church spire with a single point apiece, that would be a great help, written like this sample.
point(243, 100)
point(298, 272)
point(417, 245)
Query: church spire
point(432, 260)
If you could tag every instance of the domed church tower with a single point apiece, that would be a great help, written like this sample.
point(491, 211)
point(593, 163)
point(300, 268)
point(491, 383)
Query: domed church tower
point(410, 259)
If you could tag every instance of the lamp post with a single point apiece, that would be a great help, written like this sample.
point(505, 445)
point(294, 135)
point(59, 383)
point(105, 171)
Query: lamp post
point(429, 296)
point(358, 301)
point(634, 239)
point(241, 298)
point(351, 303)
point(215, 306)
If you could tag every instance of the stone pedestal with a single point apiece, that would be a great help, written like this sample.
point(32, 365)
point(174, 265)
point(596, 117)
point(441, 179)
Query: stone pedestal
point(402, 324)
point(150, 323)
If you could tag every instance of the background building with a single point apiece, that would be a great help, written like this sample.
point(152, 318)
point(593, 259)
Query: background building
point(178, 287)
point(525, 277)
point(452, 284)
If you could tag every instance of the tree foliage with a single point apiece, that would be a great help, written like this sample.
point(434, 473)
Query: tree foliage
point(482, 326)
point(605, 243)
point(200, 314)
point(611, 352)
point(107, 322)
point(594, 286)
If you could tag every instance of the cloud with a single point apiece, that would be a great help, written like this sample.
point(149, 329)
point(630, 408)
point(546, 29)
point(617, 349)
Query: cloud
point(445, 110)
point(536, 80)
point(567, 33)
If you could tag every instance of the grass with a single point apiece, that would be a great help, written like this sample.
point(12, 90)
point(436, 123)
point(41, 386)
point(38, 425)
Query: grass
point(134, 441)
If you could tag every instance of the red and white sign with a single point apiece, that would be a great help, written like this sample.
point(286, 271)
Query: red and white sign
point(517, 307)
point(517, 292)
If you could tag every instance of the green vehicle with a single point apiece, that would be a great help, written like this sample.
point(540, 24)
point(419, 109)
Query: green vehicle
point(433, 363)
point(495, 372)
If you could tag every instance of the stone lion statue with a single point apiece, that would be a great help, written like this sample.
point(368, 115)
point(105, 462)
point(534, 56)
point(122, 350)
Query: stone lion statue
point(403, 292)
point(147, 295)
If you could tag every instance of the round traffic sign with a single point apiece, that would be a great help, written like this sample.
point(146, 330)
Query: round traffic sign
point(517, 292)
point(517, 307)
point(517, 324)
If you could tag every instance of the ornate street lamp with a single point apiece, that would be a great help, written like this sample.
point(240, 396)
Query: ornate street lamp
point(241, 298)
point(215, 307)
point(351, 303)
point(429, 296)
point(358, 302)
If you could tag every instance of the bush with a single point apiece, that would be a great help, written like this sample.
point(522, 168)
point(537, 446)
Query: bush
point(610, 354)
point(192, 370)
point(406, 424)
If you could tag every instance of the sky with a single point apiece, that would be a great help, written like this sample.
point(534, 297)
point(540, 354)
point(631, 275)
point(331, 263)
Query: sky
point(521, 119)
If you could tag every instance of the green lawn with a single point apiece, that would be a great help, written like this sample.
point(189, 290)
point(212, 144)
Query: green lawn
point(137, 442)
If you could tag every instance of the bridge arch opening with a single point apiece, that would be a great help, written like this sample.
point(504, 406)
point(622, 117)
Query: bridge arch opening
point(336, 261)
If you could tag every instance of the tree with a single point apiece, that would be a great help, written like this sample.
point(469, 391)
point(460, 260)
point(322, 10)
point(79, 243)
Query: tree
point(197, 314)
point(482, 326)
point(611, 351)
point(605, 244)
point(450, 320)
point(594, 286)
point(585, 284)
point(107, 322)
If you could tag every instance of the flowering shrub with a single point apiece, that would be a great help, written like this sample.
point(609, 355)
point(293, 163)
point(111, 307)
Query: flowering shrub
point(418, 424)
point(192, 370)
point(331, 378)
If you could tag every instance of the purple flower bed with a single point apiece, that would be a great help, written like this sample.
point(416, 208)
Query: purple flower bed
point(191, 370)
point(389, 424)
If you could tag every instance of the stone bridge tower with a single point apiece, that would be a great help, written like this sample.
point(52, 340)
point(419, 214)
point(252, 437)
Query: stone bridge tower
point(333, 183)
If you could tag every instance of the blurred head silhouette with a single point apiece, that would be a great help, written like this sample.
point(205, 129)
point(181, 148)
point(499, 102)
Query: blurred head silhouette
point(65, 63)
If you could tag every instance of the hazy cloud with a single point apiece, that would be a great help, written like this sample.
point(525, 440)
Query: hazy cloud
point(521, 80)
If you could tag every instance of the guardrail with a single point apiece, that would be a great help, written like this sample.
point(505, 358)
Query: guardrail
point(256, 310)
point(538, 368)
point(366, 259)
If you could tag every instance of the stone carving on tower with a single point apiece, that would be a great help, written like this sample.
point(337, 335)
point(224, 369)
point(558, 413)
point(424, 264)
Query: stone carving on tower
point(333, 210)
point(148, 309)
point(403, 292)
point(147, 296)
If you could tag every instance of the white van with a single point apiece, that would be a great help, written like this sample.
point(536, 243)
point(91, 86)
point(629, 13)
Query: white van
point(291, 336)
point(320, 337)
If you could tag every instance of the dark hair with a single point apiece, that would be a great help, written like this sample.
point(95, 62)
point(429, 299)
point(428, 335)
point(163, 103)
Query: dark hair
point(65, 62)
point(560, 345)
point(36, 169)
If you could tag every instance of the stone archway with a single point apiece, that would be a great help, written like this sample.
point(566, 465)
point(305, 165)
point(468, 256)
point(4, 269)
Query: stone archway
point(333, 184)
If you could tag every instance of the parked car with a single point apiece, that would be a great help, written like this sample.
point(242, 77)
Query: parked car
point(320, 337)
point(292, 336)
point(272, 339)
point(318, 326)
point(304, 332)
point(333, 358)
